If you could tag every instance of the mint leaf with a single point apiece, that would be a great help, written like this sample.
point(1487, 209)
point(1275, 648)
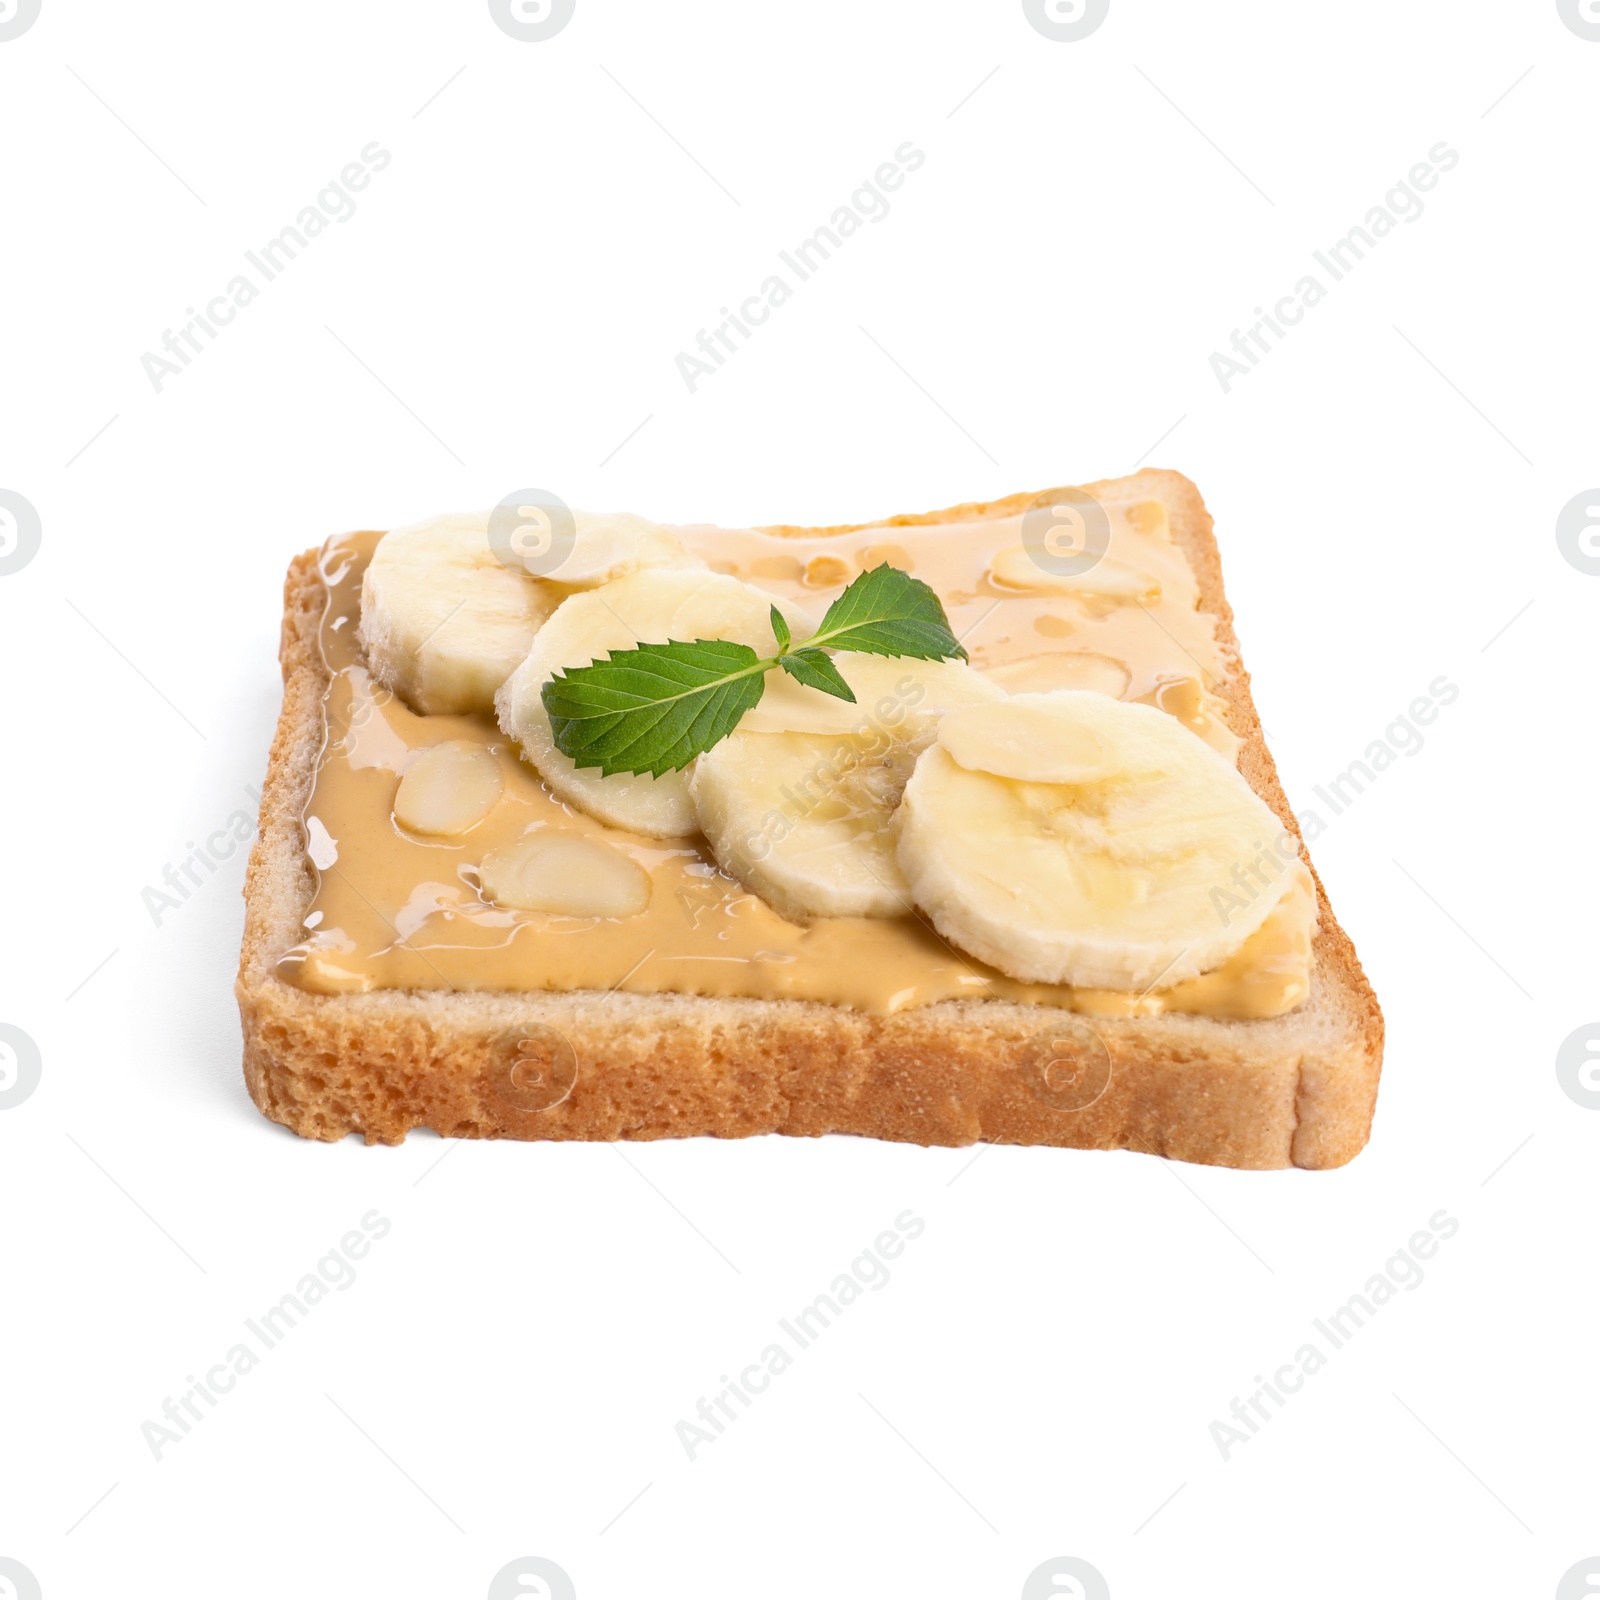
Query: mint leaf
point(655, 708)
point(887, 612)
point(815, 669)
point(780, 630)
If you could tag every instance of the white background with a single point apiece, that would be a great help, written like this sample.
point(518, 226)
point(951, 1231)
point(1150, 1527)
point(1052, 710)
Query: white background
point(1040, 306)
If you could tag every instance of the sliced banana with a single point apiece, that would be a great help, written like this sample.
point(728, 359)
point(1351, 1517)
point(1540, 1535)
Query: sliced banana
point(651, 606)
point(796, 803)
point(1034, 743)
point(1200, 711)
point(445, 618)
point(608, 545)
point(1072, 838)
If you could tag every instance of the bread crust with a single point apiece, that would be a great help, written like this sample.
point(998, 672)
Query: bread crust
point(1296, 1090)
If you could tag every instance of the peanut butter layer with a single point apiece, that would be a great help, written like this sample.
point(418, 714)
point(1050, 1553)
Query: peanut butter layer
point(399, 909)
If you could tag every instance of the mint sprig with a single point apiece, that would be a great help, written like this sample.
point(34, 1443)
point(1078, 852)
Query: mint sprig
point(656, 707)
point(887, 612)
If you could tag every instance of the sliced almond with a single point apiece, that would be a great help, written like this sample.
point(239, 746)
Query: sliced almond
point(1016, 568)
point(448, 789)
point(828, 572)
point(878, 555)
point(1061, 669)
point(574, 876)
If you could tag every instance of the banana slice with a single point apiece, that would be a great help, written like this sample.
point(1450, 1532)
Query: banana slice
point(797, 802)
point(445, 618)
point(607, 545)
point(651, 606)
point(1072, 838)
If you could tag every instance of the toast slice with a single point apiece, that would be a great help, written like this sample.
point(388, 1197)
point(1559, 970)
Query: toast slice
point(1292, 1090)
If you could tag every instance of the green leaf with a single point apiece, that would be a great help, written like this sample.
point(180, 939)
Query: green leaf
point(655, 708)
point(887, 612)
point(780, 630)
point(815, 669)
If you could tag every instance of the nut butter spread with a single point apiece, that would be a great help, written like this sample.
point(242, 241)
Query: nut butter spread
point(396, 908)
